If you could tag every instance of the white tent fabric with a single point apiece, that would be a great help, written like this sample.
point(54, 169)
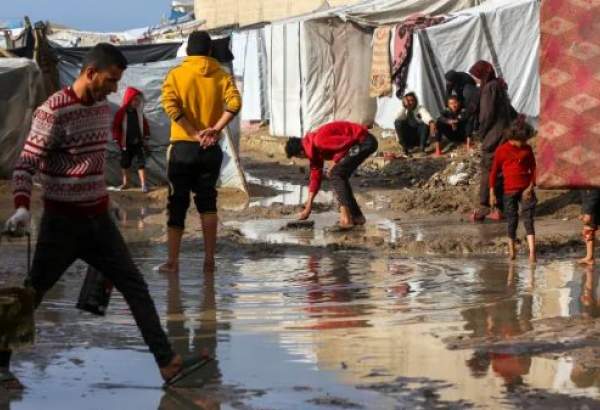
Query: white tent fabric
point(250, 70)
point(320, 63)
point(285, 74)
point(318, 72)
point(22, 91)
point(149, 79)
point(380, 12)
point(504, 32)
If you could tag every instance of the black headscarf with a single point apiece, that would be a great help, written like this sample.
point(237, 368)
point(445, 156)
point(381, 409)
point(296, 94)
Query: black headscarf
point(456, 81)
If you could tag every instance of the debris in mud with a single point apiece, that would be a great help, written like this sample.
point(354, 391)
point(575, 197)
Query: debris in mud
point(335, 402)
point(417, 393)
point(298, 225)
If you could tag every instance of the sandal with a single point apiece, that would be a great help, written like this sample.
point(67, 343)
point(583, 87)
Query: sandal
point(8, 381)
point(189, 367)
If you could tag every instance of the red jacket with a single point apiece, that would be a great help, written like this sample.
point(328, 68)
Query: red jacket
point(517, 165)
point(119, 131)
point(330, 142)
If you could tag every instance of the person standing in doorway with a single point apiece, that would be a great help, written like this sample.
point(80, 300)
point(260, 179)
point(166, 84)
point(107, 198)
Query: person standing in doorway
point(131, 132)
point(200, 98)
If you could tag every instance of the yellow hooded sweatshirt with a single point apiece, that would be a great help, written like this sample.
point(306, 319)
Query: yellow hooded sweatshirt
point(200, 90)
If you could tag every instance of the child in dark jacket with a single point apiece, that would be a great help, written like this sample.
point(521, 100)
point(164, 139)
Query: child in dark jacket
point(453, 124)
point(516, 161)
point(590, 216)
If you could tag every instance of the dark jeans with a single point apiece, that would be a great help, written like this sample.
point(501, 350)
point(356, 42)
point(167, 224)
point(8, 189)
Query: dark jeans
point(409, 136)
point(342, 171)
point(97, 241)
point(192, 168)
point(511, 207)
point(454, 135)
point(590, 205)
point(487, 160)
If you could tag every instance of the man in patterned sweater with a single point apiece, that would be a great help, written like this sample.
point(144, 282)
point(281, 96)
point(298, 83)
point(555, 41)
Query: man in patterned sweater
point(66, 146)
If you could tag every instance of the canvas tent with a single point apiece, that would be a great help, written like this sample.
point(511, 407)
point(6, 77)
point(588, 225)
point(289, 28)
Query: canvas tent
point(22, 91)
point(317, 73)
point(504, 32)
point(148, 76)
point(319, 64)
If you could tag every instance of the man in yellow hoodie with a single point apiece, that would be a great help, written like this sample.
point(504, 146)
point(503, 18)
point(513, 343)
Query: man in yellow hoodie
point(200, 98)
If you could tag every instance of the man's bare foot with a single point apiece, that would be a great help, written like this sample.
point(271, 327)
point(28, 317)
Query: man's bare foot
point(361, 220)
point(168, 268)
point(586, 261)
point(9, 382)
point(171, 370)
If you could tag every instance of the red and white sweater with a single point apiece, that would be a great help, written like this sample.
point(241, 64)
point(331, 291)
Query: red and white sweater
point(66, 144)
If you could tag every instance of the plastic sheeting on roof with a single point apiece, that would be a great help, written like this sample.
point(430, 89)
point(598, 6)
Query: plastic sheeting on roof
point(22, 90)
point(149, 79)
point(380, 12)
point(508, 29)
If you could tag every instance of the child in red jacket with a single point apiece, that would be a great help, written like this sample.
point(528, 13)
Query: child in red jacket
point(516, 161)
point(346, 144)
point(131, 132)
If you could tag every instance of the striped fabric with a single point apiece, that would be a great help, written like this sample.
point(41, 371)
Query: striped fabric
point(66, 145)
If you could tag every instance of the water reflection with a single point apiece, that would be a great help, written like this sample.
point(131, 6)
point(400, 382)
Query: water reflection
point(192, 336)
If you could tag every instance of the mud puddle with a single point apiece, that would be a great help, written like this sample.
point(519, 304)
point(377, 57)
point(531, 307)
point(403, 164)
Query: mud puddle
point(288, 193)
point(319, 330)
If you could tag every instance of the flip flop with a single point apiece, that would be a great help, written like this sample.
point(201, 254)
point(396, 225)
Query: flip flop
point(190, 366)
point(340, 228)
point(7, 378)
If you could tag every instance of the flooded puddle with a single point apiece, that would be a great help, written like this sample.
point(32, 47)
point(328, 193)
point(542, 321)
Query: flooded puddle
point(319, 330)
point(289, 193)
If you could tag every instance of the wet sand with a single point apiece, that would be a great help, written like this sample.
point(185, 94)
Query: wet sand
point(418, 310)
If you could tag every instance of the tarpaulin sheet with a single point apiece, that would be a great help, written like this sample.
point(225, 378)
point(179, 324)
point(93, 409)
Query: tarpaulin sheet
point(135, 54)
point(569, 133)
point(319, 72)
point(250, 70)
point(504, 32)
point(149, 79)
point(22, 90)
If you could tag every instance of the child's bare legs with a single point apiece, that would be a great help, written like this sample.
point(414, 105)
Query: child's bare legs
point(124, 178)
point(589, 236)
point(532, 252)
point(512, 249)
point(142, 176)
point(346, 217)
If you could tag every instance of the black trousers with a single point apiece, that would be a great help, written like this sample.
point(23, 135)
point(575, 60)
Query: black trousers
point(340, 176)
point(455, 135)
point(97, 241)
point(487, 160)
point(133, 155)
point(511, 212)
point(409, 136)
point(192, 169)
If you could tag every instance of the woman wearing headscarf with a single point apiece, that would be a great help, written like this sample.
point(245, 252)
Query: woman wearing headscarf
point(464, 87)
point(495, 114)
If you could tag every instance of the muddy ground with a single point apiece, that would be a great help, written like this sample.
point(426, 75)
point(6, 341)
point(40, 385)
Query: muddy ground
point(419, 309)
